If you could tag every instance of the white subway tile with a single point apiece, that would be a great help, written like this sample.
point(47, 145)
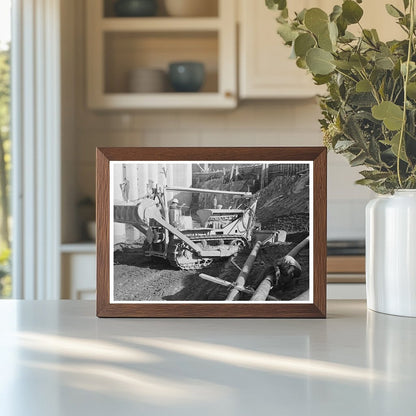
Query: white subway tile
point(156, 119)
point(202, 120)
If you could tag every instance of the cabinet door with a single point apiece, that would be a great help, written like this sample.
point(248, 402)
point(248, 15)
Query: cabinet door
point(376, 17)
point(78, 276)
point(265, 68)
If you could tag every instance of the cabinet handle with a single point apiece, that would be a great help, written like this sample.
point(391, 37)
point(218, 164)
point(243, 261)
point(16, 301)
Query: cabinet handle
point(229, 94)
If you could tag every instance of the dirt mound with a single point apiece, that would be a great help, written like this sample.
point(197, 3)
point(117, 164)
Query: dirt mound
point(137, 277)
point(268, 255)
point(284, 204)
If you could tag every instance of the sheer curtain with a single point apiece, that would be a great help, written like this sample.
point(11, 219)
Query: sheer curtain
point(36, 142)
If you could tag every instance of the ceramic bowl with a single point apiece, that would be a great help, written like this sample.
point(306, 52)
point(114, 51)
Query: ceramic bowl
point(186, 76)
point(135, 8)
point(147, 80)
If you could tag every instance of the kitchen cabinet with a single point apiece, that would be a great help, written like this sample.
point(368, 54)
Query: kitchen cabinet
point(265, 70)
point(78, 263)
point(118, 45)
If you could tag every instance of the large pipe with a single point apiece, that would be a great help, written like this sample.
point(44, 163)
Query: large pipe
point(290, 266)
point(241, 279)
point(225, 283)
point(207, 191)
point(295, 250)
point(262, 291)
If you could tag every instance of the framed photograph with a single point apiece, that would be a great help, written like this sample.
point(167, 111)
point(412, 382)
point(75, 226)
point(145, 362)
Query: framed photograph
point(211, 232)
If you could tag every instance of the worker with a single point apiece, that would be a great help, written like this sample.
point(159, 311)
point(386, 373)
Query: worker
point(174, 213)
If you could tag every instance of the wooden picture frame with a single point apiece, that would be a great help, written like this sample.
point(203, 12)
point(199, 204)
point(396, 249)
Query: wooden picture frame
point(282, 159)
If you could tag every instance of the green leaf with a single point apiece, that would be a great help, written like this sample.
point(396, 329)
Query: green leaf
point(375, 35)
point(411, 90)
point(301, 63)
point(374, 150)
point(319, 61)
point(358, 160)
point(276, 4)
point(358, 61)
point(362, 99)
point(374, 174)
point(388, 112)
point(287, 33)
point(342, 25)
point(363, 86)
point(336, 12)
point(384, 62)
point(343, 145)
point(406, 4)
point(393, 11)
point(344, 65)
point(365, 182)
point(316, 20)
point(351, 11)
point(347, 37)
point(353, 131)
point(412, 67)
point(394, 143)
point(333, 32)
point(303, 43)
point(368, 36)
point(325, 42)
point(301, 15)
point(321, 79)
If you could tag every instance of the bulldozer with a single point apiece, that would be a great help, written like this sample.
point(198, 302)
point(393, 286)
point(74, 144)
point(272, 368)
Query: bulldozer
point(197, 239)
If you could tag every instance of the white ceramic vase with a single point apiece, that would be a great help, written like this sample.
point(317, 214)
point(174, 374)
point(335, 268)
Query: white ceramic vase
point(391, 253)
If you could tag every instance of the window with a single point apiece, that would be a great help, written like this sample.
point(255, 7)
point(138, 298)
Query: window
point(5, 147)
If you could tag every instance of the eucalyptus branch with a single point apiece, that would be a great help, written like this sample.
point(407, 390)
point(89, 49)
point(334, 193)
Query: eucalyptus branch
point(406, 79)
point(346, 75)
point(373, 88)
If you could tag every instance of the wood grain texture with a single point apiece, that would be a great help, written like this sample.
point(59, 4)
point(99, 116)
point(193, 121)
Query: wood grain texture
point(346, 264)
point(317, 309)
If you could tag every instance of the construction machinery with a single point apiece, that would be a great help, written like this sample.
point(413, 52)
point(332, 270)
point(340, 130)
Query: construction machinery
point(198, 238)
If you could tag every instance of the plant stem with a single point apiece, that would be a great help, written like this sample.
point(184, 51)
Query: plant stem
point(346, 75)
point(405, 81)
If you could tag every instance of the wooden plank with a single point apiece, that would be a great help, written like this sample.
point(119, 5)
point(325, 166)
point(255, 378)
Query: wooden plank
point(346, 264)
point(160, 24)
point(345, 278)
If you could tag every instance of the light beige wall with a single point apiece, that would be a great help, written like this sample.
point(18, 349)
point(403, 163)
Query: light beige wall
point(255, 123)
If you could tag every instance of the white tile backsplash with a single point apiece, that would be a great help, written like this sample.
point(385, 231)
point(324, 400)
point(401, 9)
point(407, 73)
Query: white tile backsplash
point(346, 219)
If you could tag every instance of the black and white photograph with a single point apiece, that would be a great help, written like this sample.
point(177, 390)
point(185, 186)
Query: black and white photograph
point(211, 231)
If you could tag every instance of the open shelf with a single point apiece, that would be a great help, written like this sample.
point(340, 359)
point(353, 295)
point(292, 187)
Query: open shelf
point(127, 51)
point(167, 100)
point(160, 24)
point(210, 10)
point(80, 247)
point(119, 45)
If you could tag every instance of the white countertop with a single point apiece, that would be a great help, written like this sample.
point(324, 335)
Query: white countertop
point(57, 358)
